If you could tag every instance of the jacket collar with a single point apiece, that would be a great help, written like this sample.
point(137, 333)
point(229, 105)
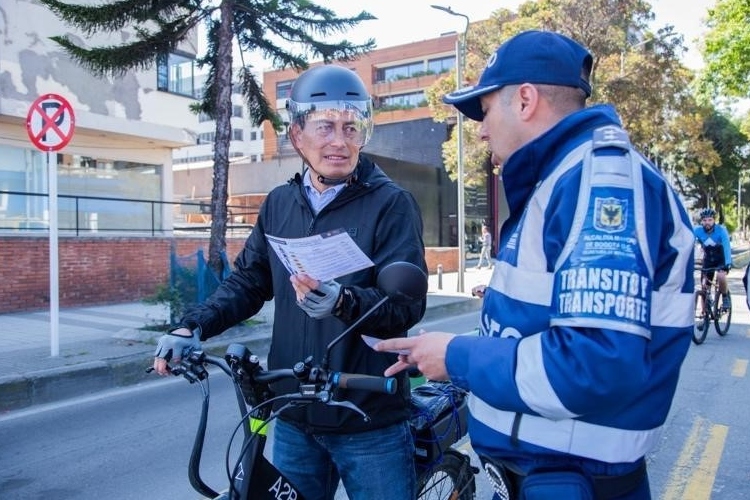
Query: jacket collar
point(535, 161)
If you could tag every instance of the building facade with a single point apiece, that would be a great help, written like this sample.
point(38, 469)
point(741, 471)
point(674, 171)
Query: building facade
point(124, 130)
point(407, 142)
point(113, 177)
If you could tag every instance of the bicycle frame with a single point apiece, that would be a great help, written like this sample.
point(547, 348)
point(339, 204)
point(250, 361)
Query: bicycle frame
point(707, 297)
point(253, 476)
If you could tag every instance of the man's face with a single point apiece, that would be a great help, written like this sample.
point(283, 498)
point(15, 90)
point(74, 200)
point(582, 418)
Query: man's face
point(501, 126)
point(708, 223)
point(330, 141)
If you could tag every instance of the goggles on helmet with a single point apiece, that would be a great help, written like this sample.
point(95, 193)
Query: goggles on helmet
point(325, 119)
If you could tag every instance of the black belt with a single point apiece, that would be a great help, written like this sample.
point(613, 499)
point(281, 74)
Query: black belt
point(605, 487)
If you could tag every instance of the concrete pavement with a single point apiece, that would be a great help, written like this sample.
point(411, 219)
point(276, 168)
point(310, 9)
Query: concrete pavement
point(105, 347)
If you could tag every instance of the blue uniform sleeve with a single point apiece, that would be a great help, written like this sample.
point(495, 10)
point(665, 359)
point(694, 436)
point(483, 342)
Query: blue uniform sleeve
point(727, 246)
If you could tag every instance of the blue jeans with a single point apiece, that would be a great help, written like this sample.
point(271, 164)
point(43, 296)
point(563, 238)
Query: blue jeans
point(373, 465)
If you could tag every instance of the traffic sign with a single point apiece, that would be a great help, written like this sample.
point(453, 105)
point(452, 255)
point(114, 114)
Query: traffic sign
point(50, 122)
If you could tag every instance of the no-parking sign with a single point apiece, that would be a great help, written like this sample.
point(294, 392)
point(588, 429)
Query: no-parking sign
point(50, 122)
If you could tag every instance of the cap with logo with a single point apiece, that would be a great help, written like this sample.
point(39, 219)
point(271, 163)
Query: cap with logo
point(541, 57)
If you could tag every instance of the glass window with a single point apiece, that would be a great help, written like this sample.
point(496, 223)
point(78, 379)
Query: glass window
point(401, 72)
point(441, 65)
point(206, 137)
point(94, 194)
point(410, 100)
point(237, 134)
point(237, 111)
point(176, 73)
point(284, 89)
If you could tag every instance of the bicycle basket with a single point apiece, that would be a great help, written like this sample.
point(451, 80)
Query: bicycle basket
point(439, 415)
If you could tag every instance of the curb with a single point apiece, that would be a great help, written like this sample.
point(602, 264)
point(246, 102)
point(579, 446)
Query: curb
point(83, 379)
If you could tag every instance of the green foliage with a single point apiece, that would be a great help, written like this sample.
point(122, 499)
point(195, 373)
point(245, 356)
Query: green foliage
point(180, 293)
point(725, 50)
point(635, 69)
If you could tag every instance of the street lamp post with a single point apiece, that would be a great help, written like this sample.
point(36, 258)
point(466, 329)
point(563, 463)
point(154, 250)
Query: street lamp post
point(461, 209)
point(742, 175)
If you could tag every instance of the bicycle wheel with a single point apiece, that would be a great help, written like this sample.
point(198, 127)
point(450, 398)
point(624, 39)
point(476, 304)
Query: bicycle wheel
point(452, 479)
point(701, 318)
point(722, 316)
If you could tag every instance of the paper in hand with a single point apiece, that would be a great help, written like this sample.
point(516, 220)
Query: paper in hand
point(323, 256)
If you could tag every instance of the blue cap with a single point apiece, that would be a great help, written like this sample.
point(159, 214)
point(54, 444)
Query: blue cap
point(540, 57)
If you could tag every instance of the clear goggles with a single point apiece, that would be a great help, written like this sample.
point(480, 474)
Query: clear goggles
point(326, 120)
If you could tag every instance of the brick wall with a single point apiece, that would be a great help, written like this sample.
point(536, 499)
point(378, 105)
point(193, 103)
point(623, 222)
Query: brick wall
point(96, 271)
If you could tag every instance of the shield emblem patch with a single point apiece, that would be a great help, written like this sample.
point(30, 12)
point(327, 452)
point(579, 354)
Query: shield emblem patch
point(610, 214)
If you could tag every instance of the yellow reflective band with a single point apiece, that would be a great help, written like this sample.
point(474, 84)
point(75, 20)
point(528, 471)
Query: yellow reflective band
point(258, 426)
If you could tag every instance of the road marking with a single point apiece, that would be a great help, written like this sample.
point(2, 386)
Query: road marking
point(695, 471)
point(702, 480)
point(740, 368)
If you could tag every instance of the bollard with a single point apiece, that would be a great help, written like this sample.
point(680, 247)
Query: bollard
point(440, 276)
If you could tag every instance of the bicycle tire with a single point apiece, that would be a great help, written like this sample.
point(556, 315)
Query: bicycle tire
point(722, 317)
point(700, 330)
point(450, 479)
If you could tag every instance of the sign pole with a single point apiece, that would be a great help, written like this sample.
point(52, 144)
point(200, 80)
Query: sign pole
point(54, 271)
point(50, 124)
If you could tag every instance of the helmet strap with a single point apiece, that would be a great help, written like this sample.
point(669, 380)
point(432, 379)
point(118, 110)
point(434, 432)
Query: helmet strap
point(329, 181)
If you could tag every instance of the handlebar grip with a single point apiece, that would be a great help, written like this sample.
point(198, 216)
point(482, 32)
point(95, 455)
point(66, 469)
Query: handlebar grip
point(387, 385)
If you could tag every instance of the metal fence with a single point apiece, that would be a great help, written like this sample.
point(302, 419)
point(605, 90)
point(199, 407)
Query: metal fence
point(191, 281)
point(25, 212)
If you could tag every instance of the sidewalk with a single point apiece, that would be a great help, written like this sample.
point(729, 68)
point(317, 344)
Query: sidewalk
point(104, 347)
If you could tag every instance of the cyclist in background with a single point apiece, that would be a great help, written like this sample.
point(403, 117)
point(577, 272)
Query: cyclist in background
point(717, 252)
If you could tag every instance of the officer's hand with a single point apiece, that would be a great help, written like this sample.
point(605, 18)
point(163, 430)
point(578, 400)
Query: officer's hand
point(316, 298)
point(174, 346)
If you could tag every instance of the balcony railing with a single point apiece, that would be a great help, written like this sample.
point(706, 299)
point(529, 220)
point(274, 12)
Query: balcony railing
point(24, 213)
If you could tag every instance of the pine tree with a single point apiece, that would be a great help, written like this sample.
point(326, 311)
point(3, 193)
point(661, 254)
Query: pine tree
point(254, 25)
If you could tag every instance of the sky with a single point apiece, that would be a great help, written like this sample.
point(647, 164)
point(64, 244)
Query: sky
point(414, 20)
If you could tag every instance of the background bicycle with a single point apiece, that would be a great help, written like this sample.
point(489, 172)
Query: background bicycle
point(710, 307)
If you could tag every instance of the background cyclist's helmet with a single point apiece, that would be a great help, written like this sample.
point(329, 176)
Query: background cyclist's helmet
point(331, 89)
point(708, 212)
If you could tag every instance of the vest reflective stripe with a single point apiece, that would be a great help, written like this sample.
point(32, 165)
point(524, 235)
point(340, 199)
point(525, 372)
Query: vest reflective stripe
point(575, 437)
point(531, 379)
point(537, 283)
point(670, 309)
point(532, 236)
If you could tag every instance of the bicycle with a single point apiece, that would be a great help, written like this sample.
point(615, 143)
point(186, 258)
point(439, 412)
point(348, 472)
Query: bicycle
point(709, 307)
point(442, 472)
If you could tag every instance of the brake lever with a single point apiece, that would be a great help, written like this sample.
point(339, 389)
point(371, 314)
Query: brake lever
point(349, 405)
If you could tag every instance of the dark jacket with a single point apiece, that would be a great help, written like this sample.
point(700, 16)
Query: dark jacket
point(385, 222)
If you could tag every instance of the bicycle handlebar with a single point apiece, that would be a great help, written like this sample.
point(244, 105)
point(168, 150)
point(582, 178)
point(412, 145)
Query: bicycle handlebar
point(387, 385)
point(246, 365)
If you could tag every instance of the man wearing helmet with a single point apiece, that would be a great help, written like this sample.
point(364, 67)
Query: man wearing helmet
point(717, 252)
point(338, 188)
